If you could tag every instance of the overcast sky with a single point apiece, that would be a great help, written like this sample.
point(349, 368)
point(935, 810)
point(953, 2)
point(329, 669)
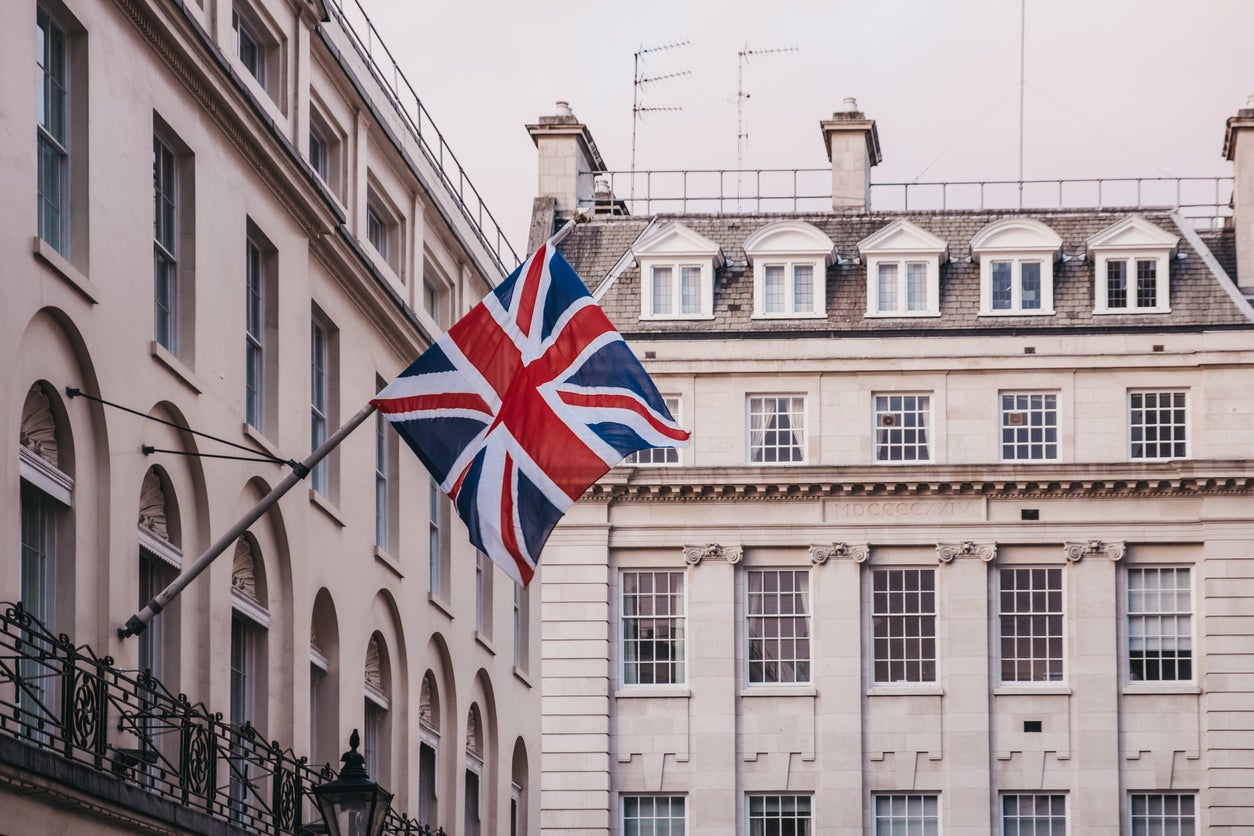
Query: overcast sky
point(1113, 87)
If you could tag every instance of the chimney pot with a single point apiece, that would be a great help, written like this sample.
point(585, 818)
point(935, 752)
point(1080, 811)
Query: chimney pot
point(563, 108)
point(851, 104)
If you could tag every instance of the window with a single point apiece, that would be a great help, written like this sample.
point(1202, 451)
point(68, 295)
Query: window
point(676, 273)
point(1029, 427)
point(52, 60)
point(1158, 425)
point(522, 627)
point(377, 231)
point(474, 771)
point(790, 260)
point(1017, 258)
point(246, 692)
point(780, 815)
point(483, 594)
point(428, 746)
point(1034, 813)
point(426, 783)
point(319, 152)
point(319, 360)
point(912, 814)
point(258, 49)
point(777, 623)
point(903, 270)
point(383, 229)
point(260, 334)
point(654, 815)
point(653, 623)
point(658, 456)
point(903, 625)
point(173, 243)
point(438, 508)
point(377, 686)
point(326, 144)
point(1163, 814)
point(1031, 624)
point(901, 428)
point(1131, 266)
point(1160, 624)
point(777, 426)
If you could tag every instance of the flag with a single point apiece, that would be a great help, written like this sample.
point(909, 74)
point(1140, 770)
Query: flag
point(526, 401)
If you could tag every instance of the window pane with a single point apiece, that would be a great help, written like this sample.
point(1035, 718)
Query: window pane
point(803, 288)
point(1146, 283)
point(916, 286)
point(1031, 625)
point(777, 623)
point(1030, 285)
point(902, 423)
point(887, 289)
point(1157, 425)
point(776, 429)
point(663, 291)
point(652, 628)
point(1116, 284)
point(773, 288)
point(1002, 296)
point(1160, 624)
point(903, 625)
point(690, 290)
point(1029, 427)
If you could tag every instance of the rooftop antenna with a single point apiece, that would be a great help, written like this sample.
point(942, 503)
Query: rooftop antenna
point(638, 82)
point(742, 58)
point(1023, 9)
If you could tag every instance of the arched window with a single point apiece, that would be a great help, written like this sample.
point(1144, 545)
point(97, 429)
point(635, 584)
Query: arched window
point(324, 742)
point(160, 561)
point(377, 720)
point(250, 620)
point(474, 772)
point(518, 790)
point(428, 747)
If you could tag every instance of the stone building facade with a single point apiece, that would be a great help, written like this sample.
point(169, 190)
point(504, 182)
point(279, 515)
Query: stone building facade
point(963, 543)
point(230, 216)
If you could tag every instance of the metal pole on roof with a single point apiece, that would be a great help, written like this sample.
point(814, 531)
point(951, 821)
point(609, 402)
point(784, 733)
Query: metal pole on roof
point(1023, 7)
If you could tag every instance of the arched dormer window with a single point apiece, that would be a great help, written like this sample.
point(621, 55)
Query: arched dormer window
point(1131, 267)
point(676, 273)
point(790, 261)
point(903, 270)
point(1017, 257)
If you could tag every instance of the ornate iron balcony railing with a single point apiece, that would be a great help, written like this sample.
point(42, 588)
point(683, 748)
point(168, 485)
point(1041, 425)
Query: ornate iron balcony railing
point(79, 706)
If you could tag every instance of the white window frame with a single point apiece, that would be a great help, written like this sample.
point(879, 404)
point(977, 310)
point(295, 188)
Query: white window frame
point(705, 284)
point(802, 446)
point(987, 264)
point(818, 299)
point(1162, 283)
point(1187, 425)
point(1008, 421)
point(880, 421)
point(1034, 818)
point(678, 664)
point(56, 35)
point(1018, 241)
point(932, 301)
point(319, 400)
point(1030, 615)
point(1162, 794)
point(268, 71)
point(670, 820)
point(389, 245)
point(809, 815)
point(777, 616)
point(1191, 614)
point(659, 456)
point(923, 796)
point(934, 614)
point(673, 245)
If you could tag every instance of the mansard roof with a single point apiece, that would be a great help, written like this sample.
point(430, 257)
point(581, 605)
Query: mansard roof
point(1201, 297)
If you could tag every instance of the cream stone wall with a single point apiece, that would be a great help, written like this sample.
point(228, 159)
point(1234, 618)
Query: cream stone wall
point(87, 322)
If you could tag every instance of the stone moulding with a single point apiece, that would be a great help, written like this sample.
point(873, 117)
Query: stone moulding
point(712, 551)
point(947, 552)
point(857, 552)
point(1077, 551)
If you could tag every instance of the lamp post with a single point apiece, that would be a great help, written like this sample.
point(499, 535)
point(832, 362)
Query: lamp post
point(352, 804)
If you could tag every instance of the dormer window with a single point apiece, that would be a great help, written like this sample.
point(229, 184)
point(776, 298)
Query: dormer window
point(790, 261)
point(676, 273)
point(1017, 259)
point(903, 270)
point(1131, 267)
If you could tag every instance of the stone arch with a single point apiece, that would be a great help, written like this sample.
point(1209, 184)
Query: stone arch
point(325, 740)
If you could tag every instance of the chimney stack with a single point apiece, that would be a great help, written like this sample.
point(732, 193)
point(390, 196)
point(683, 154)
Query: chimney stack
point(568, 159)
point(853, 146)
point(1239, 147)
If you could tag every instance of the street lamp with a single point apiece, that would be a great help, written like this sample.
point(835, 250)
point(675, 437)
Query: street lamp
point(352, 804)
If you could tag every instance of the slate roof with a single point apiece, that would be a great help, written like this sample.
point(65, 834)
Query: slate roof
point(1198, 300)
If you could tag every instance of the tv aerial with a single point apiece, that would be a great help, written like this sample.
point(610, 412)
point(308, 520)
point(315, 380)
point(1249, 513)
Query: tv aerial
point(639, 83)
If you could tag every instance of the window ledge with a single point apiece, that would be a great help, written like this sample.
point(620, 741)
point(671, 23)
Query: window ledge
point(440, 604)
point(521, 676)
point(485, 642)
point(804, 689)
point(1126, 311)
point(394, 565)
point(68, 272)
point(1049, 312)
point(163, 356)
point(1032, 690)
point(902, 314)
point(790, 315)
point(653, 692)
point(327, 507)
point(675, 317)
point(1160, 689)
point(906, 690)
point(254, 435)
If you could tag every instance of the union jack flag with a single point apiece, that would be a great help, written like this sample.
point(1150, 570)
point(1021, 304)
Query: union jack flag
point(526, 401)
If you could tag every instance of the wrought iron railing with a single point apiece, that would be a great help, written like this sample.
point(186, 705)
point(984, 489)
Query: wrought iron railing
point(1204, 200)
point(375, 54)
point(79, 706)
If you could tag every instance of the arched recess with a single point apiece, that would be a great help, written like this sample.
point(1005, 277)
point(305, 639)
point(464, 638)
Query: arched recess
point(440, 731)
point(475, 794)
point(519, 789)
point(377, 722)
point(386, 701)
point(324, 682)
point(160, 532)
point(489, 762)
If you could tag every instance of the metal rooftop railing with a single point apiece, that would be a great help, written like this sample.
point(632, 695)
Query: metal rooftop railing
point(409, 108)
point(1205, 200)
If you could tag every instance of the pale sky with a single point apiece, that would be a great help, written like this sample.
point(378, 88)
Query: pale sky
point(1113, 87)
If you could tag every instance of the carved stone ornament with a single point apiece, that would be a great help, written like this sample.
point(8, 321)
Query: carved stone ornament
point(946, 552)
point(243, 572)
point(712, 551)
point(152, 505)
point(428, 715)
point(39, 429)
point(1076, 551)
point(857, 552)
point(374, 665)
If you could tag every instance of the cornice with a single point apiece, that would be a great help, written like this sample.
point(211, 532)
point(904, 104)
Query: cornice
point(1113, 481)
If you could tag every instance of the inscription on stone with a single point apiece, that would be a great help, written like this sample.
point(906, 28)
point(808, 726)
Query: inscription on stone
point(874, 510)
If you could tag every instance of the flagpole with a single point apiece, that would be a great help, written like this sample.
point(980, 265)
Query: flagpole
point(137, 623)
point(578, 218)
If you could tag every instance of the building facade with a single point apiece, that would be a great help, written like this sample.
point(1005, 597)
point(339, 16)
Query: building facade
point(234, 218)
point(963, 542)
